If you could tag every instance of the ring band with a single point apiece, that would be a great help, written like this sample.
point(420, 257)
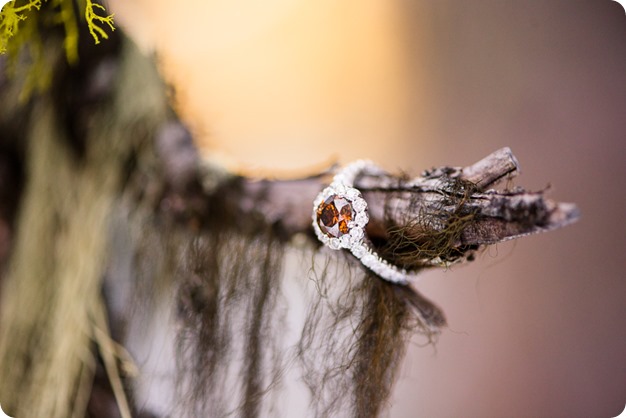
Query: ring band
point(340, 215)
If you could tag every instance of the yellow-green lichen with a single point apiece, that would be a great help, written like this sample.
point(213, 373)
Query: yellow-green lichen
point(20, 38)
point(93, 18)
point(10, 18)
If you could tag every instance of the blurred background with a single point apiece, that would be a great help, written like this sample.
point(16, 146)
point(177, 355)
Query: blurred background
point(537, 326)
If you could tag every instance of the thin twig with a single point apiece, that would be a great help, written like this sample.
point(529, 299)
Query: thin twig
point(108, 352)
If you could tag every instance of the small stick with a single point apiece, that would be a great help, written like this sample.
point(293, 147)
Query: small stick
point(107, 349)
point(447, 192)
point(491, 169)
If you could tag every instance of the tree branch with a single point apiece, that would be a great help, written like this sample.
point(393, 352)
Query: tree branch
point(439, 217)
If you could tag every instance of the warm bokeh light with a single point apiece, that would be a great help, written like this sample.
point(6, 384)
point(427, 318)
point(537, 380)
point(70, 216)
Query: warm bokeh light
point(285, 84)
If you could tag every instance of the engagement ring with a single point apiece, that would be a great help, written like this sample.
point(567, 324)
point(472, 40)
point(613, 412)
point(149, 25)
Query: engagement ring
point(339, 218)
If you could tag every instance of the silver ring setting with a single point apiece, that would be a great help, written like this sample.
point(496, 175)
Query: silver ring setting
point(340, 215)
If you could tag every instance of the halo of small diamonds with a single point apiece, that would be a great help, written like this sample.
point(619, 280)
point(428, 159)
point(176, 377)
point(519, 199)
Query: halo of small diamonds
point(340, 215)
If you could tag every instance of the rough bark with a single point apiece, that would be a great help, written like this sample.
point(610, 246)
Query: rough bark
point(424, 206)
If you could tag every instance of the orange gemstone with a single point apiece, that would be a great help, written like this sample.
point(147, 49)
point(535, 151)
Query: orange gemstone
point(333, 215)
